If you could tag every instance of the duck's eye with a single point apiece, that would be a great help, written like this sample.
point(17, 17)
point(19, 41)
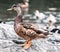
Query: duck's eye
point(14, 6)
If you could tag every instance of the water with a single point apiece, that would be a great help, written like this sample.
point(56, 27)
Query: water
point(41, 5)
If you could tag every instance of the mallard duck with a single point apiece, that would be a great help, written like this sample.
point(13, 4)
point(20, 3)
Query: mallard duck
point(26, 31)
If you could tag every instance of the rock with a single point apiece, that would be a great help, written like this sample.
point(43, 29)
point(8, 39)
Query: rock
point(7, 34)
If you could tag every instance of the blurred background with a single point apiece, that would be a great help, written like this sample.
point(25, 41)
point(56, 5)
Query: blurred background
point(41, 5)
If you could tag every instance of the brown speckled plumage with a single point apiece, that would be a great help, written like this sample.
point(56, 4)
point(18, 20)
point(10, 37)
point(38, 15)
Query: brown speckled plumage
point(25, 30)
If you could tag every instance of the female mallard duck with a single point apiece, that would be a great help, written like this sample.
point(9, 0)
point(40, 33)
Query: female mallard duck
point(25, 30)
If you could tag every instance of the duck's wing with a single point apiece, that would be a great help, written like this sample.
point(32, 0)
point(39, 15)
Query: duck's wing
point(32, 27)
point(32, 34)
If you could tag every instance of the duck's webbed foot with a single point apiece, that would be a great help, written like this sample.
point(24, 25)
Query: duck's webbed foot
point(26, 45)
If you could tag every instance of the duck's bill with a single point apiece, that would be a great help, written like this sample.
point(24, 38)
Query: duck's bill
point(9, 9)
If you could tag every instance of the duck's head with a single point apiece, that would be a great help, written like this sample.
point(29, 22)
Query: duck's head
point(16, 8)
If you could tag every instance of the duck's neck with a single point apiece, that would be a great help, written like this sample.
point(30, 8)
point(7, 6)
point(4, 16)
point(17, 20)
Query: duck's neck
point(19, 12)
point(18, 19)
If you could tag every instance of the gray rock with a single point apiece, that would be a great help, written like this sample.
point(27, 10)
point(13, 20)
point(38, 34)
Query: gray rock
point(7, 34)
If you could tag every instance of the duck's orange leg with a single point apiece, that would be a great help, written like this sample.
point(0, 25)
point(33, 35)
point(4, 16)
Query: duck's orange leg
point(27, 44)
